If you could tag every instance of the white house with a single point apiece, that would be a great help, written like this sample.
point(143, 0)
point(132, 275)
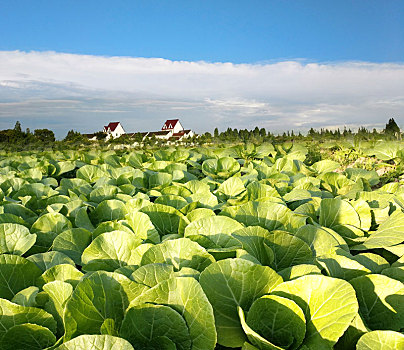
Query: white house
point(172, 124)
point(172, 130)
point(183, 134)
point(114, 130)
point(163, 134)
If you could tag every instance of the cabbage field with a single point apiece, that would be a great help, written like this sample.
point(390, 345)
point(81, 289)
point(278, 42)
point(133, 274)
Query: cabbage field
point(246, 247)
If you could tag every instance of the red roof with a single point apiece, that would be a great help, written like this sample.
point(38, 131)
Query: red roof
point(159, 133)
point(170, 124)
point(182, 133)
point(112, 126)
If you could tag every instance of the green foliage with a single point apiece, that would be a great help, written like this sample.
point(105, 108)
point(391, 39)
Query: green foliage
point(44, 135)
point(255, 245)
point(391, 127)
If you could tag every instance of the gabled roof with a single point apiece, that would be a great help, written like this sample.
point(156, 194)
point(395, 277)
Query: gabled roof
point(112, 126)
point(170, 124)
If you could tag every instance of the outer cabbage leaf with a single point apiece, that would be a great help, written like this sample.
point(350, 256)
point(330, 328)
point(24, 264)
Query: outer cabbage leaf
point(254, 240)
point(72, 243)
point(180, 253)
point(16, 274)
point(46, 260)
point(59, 292)
point(279, 320)
point(381, 340)
point(325, 166)
point(231, 283)
point(217, 228)
point(147, 322)
point(293, 272)
point(396, 273)
point(321, 240)
point(110, 251)
point(99, 297)
point(341, 264)
point(185, 295)
point(165, 219)
point(271, 216)
point(12, 314)
point(335, 211)
point(64, 272)
point(26, 297)
point(152, 274)
point(220, 168)
point(47, 227)
point(381, 301)
point(389, 233)
point(329, 305)
point(15, 239)
point(90, 173)
point(27, 336)
point(142, 226)
point(288, 250)
point(108, 210)
point(96, 342)
point(232, 187)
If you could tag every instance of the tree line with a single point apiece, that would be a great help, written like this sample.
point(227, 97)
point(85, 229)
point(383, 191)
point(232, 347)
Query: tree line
point(16, 138)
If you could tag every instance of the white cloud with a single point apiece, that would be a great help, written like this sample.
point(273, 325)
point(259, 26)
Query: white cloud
point(64, 91)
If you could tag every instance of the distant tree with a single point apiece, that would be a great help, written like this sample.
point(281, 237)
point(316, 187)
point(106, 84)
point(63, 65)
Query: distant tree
point(207, 137)
point(44, 135)
point(391, 127)
point(29, 136)
point(216, 133)
point(138, 137)
point(73, 136)
point(17, 127)
point(151, 141)
point(263, 132)
point(123, 139)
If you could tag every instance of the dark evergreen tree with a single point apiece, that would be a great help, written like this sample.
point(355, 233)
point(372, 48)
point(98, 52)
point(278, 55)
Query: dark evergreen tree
point(17, 127)
point(73, 136)
point(391, 127)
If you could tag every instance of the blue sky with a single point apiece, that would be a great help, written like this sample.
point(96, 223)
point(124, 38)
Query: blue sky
point(211, 30)
point(328, 63)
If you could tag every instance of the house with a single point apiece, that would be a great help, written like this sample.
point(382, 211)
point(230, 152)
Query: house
point(114, 130)
point(173, 124)
point(163, 134)
point(183, 134)
point(172, 130)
